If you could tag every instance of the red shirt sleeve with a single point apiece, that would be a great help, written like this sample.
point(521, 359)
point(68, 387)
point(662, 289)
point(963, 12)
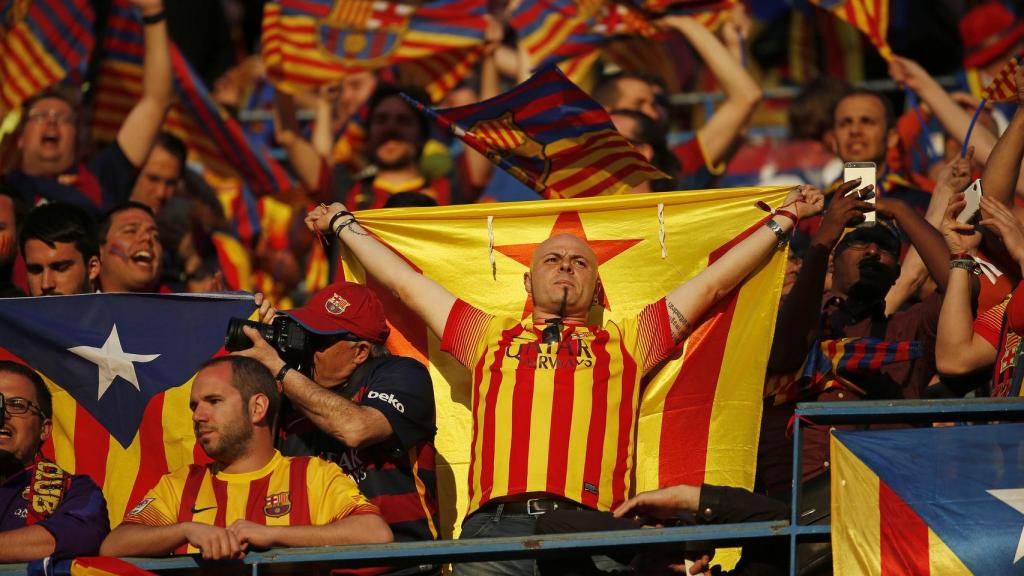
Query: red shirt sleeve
point(989, 324)
point(463, 331)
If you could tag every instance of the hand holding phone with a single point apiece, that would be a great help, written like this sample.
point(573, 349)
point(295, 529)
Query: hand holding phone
point(866, 172)
point(972, 194)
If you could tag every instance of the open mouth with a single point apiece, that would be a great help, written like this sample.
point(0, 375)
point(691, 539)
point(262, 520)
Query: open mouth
point(6, 433)
point(51, 139)
point(144, 257)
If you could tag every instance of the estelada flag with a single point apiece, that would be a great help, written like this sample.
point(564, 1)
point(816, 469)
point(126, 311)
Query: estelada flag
point(307, 43)
point(699, 414)
point(553, 137)
point(928, 501)
point(1002, 88)
point(120, 368)
point(42, 42)
point(212, 135)
point(869, 16)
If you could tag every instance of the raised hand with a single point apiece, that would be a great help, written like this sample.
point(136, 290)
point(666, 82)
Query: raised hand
point(959, 237)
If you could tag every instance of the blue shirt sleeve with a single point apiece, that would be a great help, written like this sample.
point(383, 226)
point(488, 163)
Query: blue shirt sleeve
point(80, 523)
point(400, 388)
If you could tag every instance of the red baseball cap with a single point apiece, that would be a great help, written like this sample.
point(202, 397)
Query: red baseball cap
point(987, 32)
point(344, 307)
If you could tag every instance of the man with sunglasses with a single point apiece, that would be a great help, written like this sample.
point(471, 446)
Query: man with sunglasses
point(370, 412)
point(44, 510)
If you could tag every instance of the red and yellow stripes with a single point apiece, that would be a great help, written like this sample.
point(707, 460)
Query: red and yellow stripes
point(875, 532)
point(1002, 87)
point(869, 16)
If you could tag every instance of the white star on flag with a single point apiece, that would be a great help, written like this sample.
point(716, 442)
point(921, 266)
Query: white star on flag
point(113, 361)
point(1014, 498)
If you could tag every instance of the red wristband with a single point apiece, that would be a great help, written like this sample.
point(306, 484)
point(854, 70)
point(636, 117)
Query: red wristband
point(960, 256)
point(787, 214)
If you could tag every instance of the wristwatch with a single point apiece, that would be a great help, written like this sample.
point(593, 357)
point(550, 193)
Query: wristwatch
point(966, 264)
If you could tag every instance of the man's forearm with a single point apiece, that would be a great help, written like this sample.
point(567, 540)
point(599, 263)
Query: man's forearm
point(928, 241)
point(25, 544)
point(358, 529)
point(142, 540)
point(338, 417)
point(800, 312)
point(1003, 166)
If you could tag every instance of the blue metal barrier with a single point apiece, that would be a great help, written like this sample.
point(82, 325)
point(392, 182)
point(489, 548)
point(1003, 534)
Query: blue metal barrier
point(445, 551)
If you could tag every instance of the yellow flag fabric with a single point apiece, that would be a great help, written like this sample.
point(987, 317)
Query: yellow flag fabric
point(700, 412)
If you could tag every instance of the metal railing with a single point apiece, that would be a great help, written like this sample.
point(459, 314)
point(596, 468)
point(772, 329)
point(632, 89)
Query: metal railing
point(588, 543)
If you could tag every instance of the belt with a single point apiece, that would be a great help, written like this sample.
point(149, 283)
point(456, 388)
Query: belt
point(533, 506)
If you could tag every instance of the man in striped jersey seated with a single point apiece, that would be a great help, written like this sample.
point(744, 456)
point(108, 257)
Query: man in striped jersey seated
point(554, 399)
point(250, 496)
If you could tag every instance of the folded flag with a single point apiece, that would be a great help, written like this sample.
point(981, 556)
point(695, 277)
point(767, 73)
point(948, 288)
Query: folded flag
point(42, 42)
point(552, 137)
point(120, 368)
point(946, 500)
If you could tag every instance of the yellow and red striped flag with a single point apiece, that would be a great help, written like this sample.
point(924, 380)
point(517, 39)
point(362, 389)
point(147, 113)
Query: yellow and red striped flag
point(1002, 88)
point(869, 16)
point(42, 41)
point(698, 418)
point(307, 43)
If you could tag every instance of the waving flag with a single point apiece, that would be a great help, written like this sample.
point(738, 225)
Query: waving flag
point(1002, 87)
point(216, 139)
point(307, 43)
point(699, 413)
point(42, 41)
point(869, 16)
point(928, 501)
point(120, 368)
point(551, 136)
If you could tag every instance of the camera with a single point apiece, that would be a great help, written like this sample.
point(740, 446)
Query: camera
point(292, 342)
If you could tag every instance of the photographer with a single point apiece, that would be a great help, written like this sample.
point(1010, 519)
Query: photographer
point(370, 412)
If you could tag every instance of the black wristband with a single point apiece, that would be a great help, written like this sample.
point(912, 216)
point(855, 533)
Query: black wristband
point(154, 18)
point(282, 372)
point(330, 225)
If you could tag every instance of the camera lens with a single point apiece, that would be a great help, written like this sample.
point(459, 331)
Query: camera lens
point(235, 339)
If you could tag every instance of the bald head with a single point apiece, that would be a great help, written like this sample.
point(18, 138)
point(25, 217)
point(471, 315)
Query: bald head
point(564, 267)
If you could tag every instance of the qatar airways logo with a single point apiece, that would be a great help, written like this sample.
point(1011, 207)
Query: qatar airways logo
point(389, 398)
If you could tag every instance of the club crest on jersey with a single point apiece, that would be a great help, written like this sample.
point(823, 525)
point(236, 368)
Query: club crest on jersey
point(277, 505)
point(141, 506)
point(336, 305)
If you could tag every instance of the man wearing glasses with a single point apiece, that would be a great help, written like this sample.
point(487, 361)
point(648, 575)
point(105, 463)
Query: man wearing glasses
point(48, 135)
point(370, 412)
point(44, 510)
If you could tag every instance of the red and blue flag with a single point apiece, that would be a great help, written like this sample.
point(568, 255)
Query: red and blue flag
point(553, 137)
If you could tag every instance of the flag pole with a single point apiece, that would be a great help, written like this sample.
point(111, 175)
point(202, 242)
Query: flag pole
point(473, 142)
point(970, 128)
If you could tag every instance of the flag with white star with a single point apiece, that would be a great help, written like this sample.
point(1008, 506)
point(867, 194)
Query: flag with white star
point(929, 500)
point(120, 368)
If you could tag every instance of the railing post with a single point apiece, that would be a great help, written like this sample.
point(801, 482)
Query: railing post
point(794, 499)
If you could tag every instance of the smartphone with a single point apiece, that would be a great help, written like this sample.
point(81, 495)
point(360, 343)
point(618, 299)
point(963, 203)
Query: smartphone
point(866, 172)
point(973, 196)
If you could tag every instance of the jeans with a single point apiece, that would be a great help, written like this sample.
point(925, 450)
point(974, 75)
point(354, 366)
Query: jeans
point(492, 524)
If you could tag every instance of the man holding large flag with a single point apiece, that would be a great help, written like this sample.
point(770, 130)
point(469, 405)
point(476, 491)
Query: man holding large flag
point(527, 374)
point(49, 133)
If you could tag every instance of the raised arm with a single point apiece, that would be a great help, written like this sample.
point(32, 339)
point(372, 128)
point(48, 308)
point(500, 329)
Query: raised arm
point(1001, 171)
point(958, 348)
point(742, 94)
point(923, 237)
point(301, 153)
point(691, 299)
point(431, 301)
point(800, 311)
point(142, 125)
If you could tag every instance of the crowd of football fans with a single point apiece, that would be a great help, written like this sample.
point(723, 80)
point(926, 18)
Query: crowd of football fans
point(925, 296)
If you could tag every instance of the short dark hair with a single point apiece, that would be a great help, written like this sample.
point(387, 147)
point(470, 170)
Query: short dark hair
point(812, 110)
point(385, 91)
point(104, 227)
point(43, 397)
point(62, 222)
point(18, 201)
point(409, 199)
point(250, 377)
point(890, 114)
point(174, 146)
